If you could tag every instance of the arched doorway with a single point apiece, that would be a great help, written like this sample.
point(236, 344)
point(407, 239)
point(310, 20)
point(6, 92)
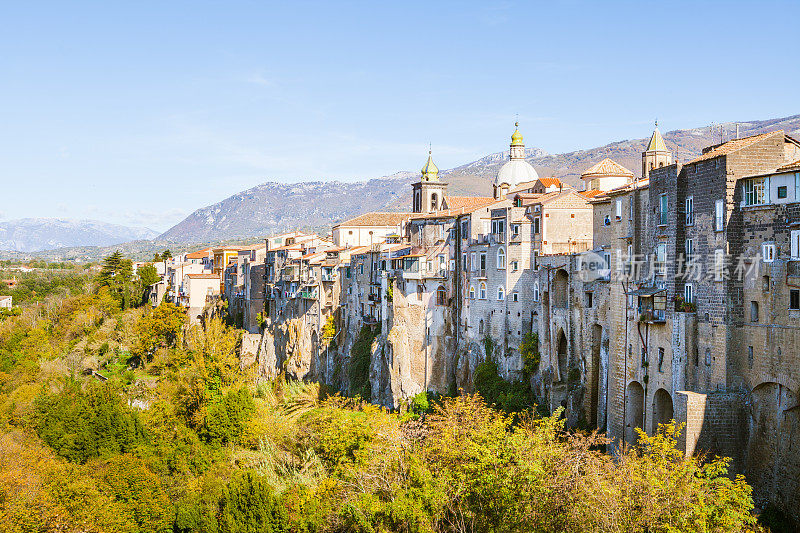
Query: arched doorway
point(634, 411)
point(562, 355)
point(662, 409)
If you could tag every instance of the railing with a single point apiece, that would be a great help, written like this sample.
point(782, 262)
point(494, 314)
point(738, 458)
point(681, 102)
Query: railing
point(480, 273)
point(308, 294)
point(497, 238)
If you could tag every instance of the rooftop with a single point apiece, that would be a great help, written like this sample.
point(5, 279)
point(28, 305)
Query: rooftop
point(732, 146)
point(199, 254)
point(606, 167)
point(203, 276)
point(376, 219)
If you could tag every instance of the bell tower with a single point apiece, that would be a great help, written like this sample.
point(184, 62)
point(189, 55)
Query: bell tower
point(656, 155)
point(428, 192)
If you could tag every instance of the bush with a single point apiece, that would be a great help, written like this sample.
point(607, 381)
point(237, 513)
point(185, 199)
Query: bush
point(511, 397)
point(360, 358)
point(228, 416)
point(80, 425)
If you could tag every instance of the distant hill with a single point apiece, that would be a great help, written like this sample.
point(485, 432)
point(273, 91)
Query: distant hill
point(37, 234)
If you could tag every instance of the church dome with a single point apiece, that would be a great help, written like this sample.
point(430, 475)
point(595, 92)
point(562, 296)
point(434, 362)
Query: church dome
point(516, 137)
point(515, 172)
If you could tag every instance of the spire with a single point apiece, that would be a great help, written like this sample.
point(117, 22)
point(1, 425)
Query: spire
point(656, 142)
point(430, 172)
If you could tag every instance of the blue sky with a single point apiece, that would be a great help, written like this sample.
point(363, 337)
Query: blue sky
point(140, 112)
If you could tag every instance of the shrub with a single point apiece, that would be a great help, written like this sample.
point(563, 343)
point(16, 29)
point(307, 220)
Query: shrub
point(360, 358)
point(509, 396)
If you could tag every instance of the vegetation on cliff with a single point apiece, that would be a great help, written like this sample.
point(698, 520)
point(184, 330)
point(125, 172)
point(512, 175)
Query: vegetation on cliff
point(175, 436)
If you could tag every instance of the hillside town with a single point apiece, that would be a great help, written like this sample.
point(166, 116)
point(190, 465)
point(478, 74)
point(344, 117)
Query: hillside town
point(671, 297)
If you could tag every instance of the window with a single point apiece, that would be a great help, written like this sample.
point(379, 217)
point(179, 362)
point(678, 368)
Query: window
point(689, 246)
point(768, 252)
point(607, 221)
point(719, 215)
point(690, 211)
point(794, 299)
point(483, 261)
point(663, 207)
point(588, 299)
point(756, 191)
point(434, 202)
point(719, 265)
point(501, 294)
point(619, 209)
point(750, 358)
point(536, 259)
point(464, 261)
point(501, 258)
point(753, 311)
point(472, 262)
point(688, 293)
point(361, 268)
point(482, 293)
point(661, 259)
point(782, 191)
point(660, 359)
point(515, 229)
point(515, 296)
point(765, 283)
point(472, 292)
point(536, 225)
point(536, 293)
point(794, 247)
point(441, 296)
point(514, 266)
point(452, 265)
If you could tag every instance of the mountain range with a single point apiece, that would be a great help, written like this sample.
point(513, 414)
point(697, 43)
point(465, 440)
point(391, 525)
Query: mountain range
point(39, 234)
point(273, 207)
point(314, 205)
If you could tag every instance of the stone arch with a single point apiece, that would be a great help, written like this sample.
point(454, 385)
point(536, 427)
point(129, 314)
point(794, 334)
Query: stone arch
point(634, 411)
point(561, 347)
point(769, 404)
point(594, 376)
point(662, 409)
point(560, 288)
point(434, 202)
point(441, 295)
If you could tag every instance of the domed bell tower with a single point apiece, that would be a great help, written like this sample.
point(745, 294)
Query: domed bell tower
point(429, 192)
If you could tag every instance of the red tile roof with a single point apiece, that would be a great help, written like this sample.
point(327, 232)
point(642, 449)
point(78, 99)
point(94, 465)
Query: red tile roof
point(592, 193)
point(199, 254)
point(790, 166)
point(733, 146)
point(460, 202)
point(606, 167)
point(550, 182)
point(376, 219)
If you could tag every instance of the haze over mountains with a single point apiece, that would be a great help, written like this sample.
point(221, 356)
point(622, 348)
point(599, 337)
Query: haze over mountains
point(38, 234)
point(315, 205)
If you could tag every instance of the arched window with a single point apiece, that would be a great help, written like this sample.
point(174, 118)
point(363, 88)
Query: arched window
point(501, 294)
point(535, 291)
point(482, 293)
point(441, 296)
point(434, 202)
point(472, 292)
point(501, 258)
point(480, 327)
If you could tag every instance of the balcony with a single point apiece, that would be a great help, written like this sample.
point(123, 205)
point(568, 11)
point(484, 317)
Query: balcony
point(652, 316)
point(374, 298)
point(497, 238)
point(309, 294)
point(480, 273)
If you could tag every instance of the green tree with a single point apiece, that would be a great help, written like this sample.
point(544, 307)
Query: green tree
point(160, 327)
point(166, 254)
point(249, 505)
point(157, 257)
point(117, 275)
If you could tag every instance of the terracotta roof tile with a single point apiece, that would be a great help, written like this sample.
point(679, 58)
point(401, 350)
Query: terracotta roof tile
point(790, 166)
point(733, 146)
point(606, 167)
point(459, 202)
point(550, 182)
point(199, 254)
point(376, 219)
point(592, 193)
